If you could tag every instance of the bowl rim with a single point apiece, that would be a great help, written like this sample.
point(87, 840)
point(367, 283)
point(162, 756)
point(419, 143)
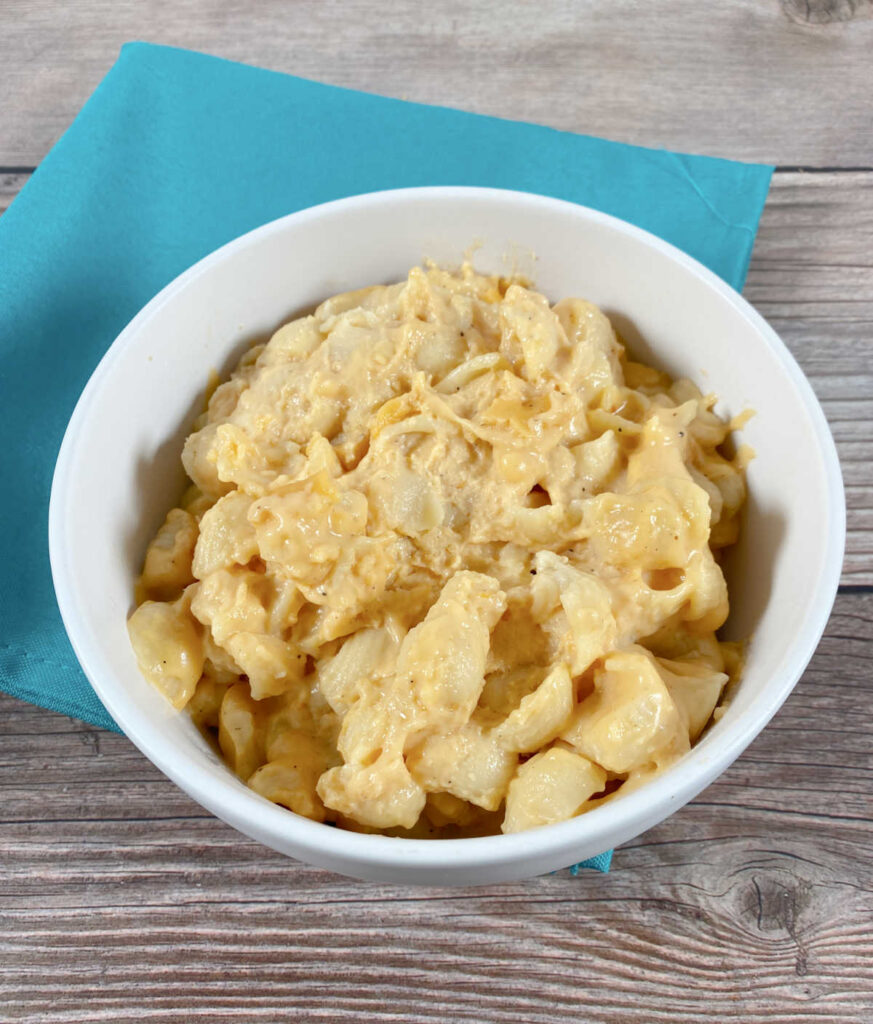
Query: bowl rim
point(615, 822)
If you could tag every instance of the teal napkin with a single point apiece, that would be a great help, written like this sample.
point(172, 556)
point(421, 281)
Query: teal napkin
point(175, 154)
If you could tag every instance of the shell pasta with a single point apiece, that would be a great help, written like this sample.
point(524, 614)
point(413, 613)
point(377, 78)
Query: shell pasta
point(449, 563)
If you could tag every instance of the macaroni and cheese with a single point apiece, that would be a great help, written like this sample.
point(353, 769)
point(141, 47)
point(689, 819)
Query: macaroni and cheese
point(449, 564)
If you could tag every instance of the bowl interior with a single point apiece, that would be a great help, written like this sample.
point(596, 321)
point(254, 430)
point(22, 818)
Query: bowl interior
point(119, 472)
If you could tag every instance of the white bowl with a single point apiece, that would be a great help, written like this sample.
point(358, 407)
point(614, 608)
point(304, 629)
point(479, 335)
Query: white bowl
point(118, 473)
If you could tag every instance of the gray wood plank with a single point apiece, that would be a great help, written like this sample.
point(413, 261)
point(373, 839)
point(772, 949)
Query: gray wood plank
point(812, 277)
point(783, 82)
point(11, 183)
point(121, 900)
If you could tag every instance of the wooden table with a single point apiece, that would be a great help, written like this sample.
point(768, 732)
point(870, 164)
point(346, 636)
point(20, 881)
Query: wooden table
point(121, 900)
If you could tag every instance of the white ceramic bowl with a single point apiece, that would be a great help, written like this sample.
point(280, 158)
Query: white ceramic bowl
point(119, 472)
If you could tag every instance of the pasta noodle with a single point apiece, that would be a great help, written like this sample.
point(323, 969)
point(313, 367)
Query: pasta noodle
point(449, 563)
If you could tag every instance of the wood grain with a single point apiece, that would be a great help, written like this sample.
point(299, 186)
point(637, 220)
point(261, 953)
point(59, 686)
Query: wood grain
point(783, 82)
point(11, 183)
point(811, 276)
point(121, 900)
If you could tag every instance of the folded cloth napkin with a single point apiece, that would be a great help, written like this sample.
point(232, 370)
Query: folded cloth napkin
point(175, 154)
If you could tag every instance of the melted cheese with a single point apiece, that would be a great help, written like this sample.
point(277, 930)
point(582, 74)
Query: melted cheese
point(438, 527)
